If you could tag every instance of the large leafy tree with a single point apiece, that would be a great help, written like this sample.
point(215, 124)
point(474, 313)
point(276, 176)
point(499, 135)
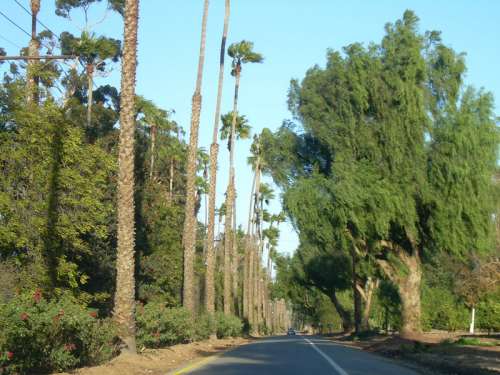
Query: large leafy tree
point(395, 145)
point(125, 279)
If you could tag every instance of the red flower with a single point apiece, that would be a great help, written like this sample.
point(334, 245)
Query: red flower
point(24, 316)
point(37, 296)
point(93, 314)
point(10, 355)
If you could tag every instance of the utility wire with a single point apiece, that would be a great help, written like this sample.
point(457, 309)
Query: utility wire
point(10, 42)
point(31, 14)
point(15, 24)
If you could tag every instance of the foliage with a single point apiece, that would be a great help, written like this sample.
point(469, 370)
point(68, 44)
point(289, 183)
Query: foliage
point(159, 326)
point(389, 156)
point(55, 335)
point(488, 312)
point(228, 325)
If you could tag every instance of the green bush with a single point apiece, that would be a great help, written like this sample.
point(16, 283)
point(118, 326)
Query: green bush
point(488, 313)
point(228, 325)
point(38, 335)
point(204, 327)
point(159, 326)
point(442, 310)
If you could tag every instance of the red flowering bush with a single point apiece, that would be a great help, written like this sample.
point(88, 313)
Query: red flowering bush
point(37, 335)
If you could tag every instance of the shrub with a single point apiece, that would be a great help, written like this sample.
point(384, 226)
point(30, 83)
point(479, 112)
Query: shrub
point(38, 335)
point(204, 327)
point(159, 326)
point(228, 325)
point(488, 313)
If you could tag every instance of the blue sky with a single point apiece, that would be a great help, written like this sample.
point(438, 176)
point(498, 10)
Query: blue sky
point(293, 35)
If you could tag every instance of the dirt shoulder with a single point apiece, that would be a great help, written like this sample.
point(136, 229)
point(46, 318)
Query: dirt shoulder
point(160, 361)
point(435, 352)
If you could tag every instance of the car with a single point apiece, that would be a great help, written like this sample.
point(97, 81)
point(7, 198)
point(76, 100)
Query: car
point(291, 332)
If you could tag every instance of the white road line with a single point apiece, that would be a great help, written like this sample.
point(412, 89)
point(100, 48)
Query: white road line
point(337, 368)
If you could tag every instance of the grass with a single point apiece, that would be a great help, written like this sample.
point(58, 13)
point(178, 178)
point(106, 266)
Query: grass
point(473, 342)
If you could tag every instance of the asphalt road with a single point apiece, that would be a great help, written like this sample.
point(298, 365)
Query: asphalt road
point(283, 355)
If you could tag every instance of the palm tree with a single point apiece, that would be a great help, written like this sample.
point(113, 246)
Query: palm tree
point(241, 53)
point(242, 131)
point(254, 161)
point(214, 151)
point(34, 44)
point(266, 194)
point(125, 282)
point(189, 232)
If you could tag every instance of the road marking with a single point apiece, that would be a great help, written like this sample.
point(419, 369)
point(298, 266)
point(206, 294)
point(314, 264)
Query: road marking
point(196, 365)
point(337, 368)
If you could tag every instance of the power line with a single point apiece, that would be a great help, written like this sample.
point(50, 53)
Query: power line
point(31, 14)
point(10, 42)
point(15, 24)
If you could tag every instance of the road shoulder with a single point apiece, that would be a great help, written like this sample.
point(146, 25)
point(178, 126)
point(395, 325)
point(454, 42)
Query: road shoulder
point(428, 357)
point(163, 361)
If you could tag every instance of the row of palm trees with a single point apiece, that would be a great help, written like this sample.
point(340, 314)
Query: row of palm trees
point(256, 304)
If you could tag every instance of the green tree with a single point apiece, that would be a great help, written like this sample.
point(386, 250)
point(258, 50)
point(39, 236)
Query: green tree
point(92, 52)
point(388, 141)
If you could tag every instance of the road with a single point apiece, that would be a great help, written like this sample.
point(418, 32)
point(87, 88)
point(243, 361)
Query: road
point(283, 355)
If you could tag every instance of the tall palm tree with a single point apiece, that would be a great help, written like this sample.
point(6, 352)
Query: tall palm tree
point(125, 282)
point(214, 151)
point(266, 194)
point(241, 53)
point(189, 232)
point(254, 161)
point(242, 131)
point(34, 44)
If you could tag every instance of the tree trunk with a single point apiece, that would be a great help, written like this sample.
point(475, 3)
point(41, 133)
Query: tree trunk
point(356, 294)
point(347, 324)
point(370, 287)
point(124, 306)
point(34, 45)
point(228, 238)
point(234, 264)
point(90, 94)
point(214, 151)
point(228, 246)
point(408, 282)
point(189, 232)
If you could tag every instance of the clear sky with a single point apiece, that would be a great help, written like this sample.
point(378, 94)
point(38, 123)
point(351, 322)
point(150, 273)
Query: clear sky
point(293, 35)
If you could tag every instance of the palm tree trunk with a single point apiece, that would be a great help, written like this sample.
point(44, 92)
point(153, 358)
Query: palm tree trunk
point(247, 249)
point(214, 151)
point(32, 79)
point(228, 239)
point(189, 232)
point(230, 203)
point(125, 282)
point(234, 265)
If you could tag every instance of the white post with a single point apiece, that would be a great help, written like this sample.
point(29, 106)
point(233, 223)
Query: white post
point(472, 320)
